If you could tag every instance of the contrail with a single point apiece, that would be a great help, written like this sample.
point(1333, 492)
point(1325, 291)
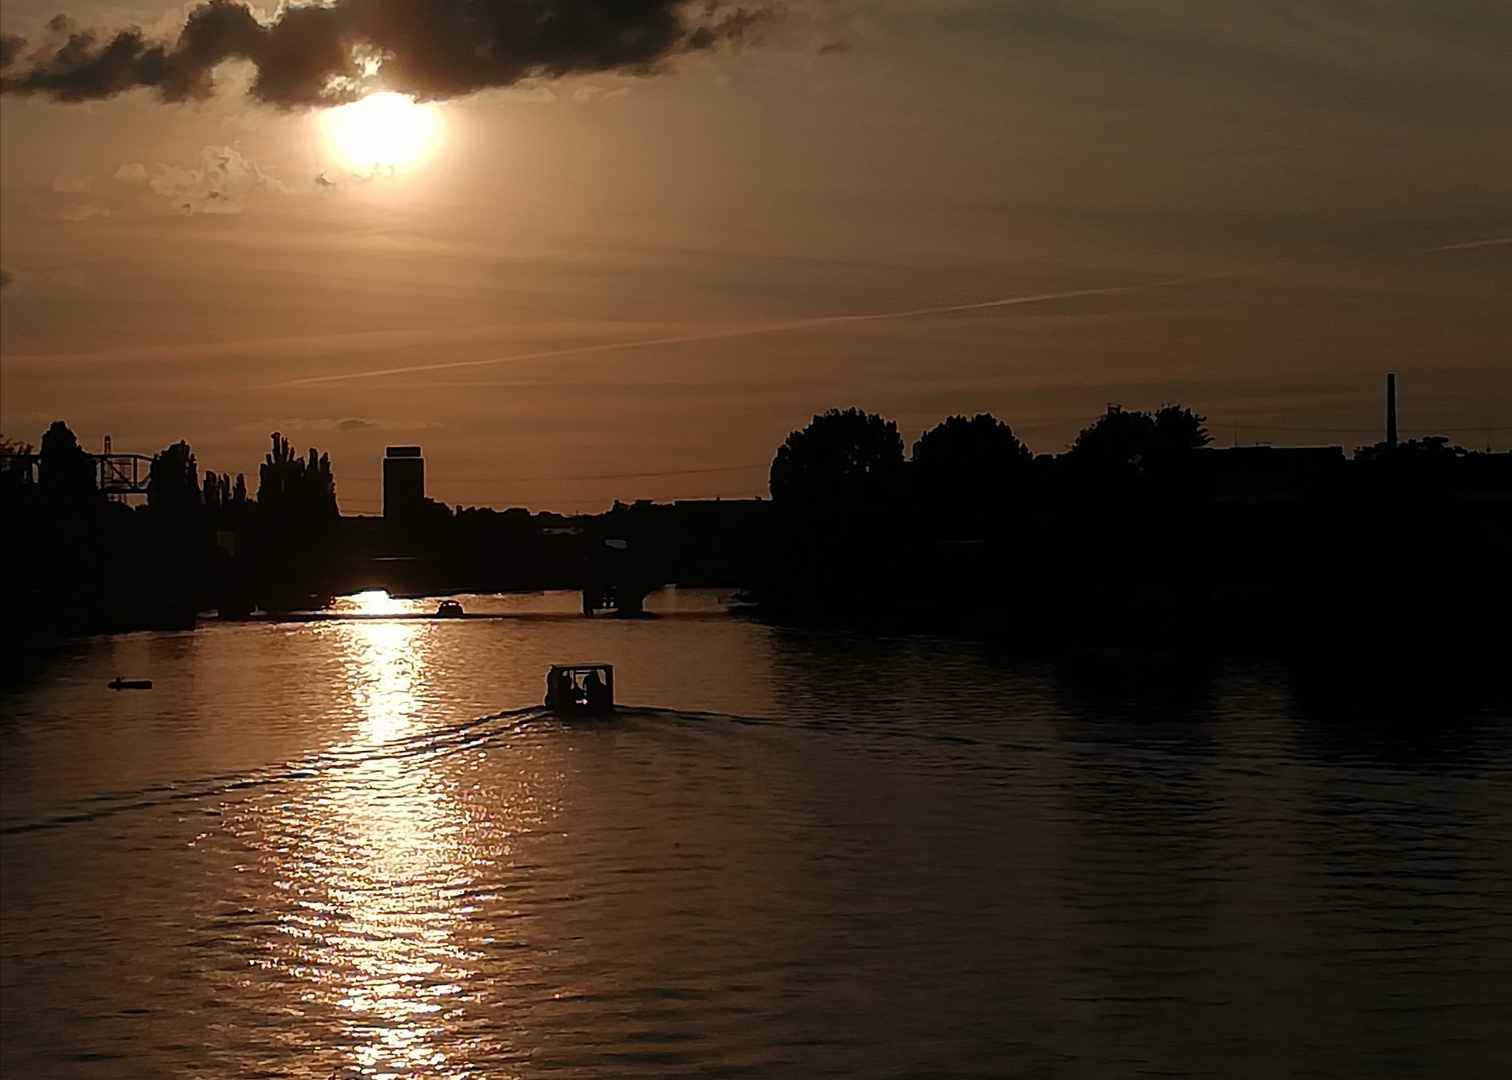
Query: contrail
point(1498, 241)
point(816, 323)
point(602, 476)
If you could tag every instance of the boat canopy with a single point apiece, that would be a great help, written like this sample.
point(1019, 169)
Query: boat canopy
point(580, 688)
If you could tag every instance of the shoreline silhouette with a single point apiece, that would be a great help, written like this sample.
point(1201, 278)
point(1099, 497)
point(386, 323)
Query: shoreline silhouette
point(1140, 536)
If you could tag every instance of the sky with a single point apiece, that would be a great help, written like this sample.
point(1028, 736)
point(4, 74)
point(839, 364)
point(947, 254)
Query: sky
point(630, 276)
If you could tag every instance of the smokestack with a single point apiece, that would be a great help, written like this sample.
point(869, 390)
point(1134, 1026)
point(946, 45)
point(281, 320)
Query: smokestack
point(1391, 432)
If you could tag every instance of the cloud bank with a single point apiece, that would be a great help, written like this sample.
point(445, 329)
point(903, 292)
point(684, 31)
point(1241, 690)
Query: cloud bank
point(339, 426)
point(429, 49)
point(220, 185)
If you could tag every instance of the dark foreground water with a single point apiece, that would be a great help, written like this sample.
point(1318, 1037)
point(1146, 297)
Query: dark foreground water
point(346, 849)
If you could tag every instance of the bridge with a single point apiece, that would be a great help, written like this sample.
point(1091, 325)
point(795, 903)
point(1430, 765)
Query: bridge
point(117, 475)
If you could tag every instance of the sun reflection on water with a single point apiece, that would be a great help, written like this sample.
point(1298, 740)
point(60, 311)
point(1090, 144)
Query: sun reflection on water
point(371, 602)
point(379, 877)
point(386, 671)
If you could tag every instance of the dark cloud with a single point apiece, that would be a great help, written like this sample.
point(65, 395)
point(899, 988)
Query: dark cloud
point(324, 55)
point(346, 424)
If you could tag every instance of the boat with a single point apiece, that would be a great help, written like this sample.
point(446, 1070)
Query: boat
point(449, 609)
point(580, 689)
point(119, 683)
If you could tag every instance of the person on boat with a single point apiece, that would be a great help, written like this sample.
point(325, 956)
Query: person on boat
point(595, 690)
point(561, 694)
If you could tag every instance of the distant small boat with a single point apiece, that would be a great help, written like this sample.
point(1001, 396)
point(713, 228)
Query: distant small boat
point(449, 609)
point(119, 683)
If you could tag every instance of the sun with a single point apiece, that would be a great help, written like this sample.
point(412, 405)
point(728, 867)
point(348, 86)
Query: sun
point(382, 131)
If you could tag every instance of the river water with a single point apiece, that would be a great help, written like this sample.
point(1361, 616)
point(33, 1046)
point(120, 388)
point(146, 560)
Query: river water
point(356, 848)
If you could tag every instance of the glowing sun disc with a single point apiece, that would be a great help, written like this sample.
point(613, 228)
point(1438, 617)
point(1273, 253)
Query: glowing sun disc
point(381, 131)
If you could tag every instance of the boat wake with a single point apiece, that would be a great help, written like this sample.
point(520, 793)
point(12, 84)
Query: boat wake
point(432, 743)
point(441, 741)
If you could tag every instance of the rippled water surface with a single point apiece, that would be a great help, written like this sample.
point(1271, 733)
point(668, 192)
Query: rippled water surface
point(357, 848)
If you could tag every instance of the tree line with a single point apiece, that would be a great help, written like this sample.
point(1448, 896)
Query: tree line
point(1139, 532)
point(849, 453)
point(76, 561)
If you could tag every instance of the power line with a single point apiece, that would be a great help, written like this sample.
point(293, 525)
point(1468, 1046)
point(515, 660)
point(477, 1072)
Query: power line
point(602, 476)
point(763, 467)
point(1364, 431)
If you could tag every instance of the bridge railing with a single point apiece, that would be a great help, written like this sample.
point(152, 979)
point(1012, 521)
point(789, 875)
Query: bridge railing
point(122, 474)
point(20, 468)
point(115, 474)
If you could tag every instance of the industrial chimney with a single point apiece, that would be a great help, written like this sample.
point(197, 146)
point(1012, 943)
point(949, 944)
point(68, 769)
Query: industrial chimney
point(1391, 430)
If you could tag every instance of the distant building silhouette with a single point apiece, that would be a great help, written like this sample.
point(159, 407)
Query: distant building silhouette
point(1267, 474)
point(403, 481)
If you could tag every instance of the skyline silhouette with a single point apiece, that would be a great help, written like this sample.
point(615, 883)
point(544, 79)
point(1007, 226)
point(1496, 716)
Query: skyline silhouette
point(1141, 519)
point(615, 268)
point(1222, 433)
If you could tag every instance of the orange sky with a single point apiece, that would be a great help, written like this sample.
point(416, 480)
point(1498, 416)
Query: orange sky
point(1253, 209)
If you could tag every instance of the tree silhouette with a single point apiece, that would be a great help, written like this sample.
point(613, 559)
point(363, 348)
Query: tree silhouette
point(980, 450)
point(1178, 429)
point(295, 526)
point(217, 489)
point(223, 496)
point(841, 457)
point(67, 471)
point(173, 482)
point(15, 461)
point(1133, 442)
point(1117, 439)
point(291, 488)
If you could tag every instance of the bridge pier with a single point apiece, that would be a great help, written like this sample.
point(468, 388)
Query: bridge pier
point(621, 601)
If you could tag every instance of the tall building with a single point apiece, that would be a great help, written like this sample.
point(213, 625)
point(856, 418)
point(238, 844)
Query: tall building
point(403, 481)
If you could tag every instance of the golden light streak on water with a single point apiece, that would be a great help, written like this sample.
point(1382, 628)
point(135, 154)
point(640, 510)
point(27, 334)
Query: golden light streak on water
point(371, 602)
point(379, 885)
